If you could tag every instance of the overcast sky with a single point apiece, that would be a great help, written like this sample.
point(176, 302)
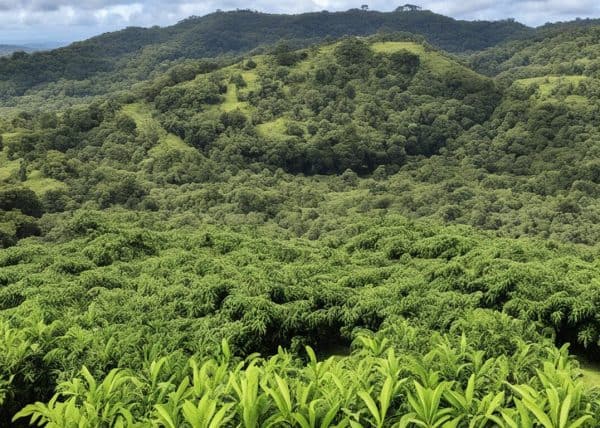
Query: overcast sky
point(68, 20)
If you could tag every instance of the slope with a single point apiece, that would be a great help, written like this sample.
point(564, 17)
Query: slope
point(355, 104)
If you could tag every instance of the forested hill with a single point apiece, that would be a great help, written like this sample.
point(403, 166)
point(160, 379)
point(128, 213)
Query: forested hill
point(445, 142)
point(131, 54)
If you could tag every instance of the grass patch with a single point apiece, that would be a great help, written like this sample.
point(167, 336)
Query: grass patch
point(327, 49)
point(40, 184)
point(251, 78)
point(577, 101)
point(591, 374)
point(9, 136)
point(8, 168)
point(275, 128)
point(307, 64)
point(430, 59)
point(548, 83)
point(391, 47)
point(36, 181)
point(231, 100)
point(142, 115)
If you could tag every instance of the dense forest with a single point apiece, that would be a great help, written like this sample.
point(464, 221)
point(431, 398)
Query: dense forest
point(324, 220)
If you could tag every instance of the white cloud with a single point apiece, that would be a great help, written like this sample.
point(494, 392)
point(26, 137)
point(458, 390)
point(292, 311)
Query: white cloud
point(530, 12)
point(122, 11)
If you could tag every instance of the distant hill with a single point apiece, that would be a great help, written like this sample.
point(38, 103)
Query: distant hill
point(561, 48)
point(10, 49)
point(139, 50)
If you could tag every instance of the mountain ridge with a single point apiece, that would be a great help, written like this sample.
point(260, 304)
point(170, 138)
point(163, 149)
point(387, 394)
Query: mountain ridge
point(234, 32)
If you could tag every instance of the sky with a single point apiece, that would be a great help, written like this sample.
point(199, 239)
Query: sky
point(42, 21)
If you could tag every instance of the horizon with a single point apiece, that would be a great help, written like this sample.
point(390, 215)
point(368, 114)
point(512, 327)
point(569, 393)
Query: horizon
point(97, 17)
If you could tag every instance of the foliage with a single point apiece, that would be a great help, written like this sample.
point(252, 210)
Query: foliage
point(113, 289)
point(430, 232)
point(392, 391)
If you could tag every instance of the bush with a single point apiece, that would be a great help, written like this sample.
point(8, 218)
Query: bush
point(22, 199)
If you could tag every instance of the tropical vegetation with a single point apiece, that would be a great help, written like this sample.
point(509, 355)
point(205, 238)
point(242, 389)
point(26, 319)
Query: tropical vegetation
point(367, 231)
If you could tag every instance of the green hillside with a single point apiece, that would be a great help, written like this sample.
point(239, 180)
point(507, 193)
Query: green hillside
point(339, 86)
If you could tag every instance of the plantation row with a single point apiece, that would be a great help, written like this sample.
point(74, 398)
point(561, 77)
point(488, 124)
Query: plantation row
point(122, 289)
point(452, 385)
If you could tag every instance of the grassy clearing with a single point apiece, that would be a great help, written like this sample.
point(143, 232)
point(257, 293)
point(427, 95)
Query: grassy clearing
point(40, 184)
point(308, 64)
point(577, 101)
point(391, 47)
point(431, 59)
point(231, 100)
point(251, 79)
point(142, 115)
point(591, 374)
point(8, 168)
point(548, 83)
point(250, 76)
point(314, 57)
point(272, 129)
point(36, 181)
point(327, 49)
point(10, 135)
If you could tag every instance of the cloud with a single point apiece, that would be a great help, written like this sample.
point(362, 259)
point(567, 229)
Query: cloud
point(531, 12)
point(75, 19)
